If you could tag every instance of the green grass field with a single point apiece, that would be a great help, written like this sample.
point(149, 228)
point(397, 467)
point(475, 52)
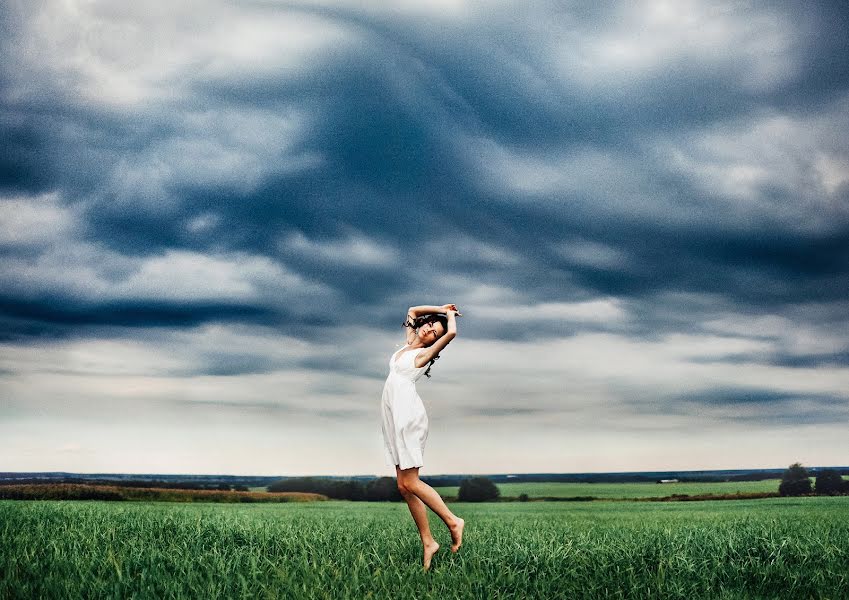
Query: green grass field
point(625, 490)
point(771, 548)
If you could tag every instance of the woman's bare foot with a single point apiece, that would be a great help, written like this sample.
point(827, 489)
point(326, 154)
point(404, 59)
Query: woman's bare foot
point(457, 534)
point(429, 550)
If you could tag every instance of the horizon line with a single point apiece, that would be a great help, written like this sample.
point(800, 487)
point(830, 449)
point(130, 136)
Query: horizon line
point(502, 473)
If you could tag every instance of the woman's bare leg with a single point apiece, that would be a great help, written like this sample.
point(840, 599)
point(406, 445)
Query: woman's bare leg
point(419, 512)
point(408, 479)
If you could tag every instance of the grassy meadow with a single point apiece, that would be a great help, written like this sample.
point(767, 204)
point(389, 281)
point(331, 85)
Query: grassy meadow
point(613, 491)
point(767, 548)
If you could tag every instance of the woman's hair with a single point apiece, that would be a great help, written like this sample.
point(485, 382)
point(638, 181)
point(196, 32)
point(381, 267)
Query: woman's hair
point(422, 320)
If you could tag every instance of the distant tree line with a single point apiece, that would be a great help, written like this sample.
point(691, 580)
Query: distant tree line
point(376, 490)
point(382, 489)
point(132, 483)
point(241, 483)
point(749, 477)
point(84, 491)
point(171, 485)
point(796, 481)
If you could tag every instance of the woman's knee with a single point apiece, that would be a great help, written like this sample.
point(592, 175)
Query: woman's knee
point(406, 484)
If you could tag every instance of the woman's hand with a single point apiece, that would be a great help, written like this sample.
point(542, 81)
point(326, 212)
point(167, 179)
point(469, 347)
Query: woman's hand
point(453, 308)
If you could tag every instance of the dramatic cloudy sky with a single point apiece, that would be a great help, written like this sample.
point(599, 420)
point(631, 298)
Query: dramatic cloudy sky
point(215, 215)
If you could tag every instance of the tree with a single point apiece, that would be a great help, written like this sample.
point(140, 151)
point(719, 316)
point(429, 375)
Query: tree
point(795, 481)
point(332, 488)
point(383, 489)
point(347, 489)
point(296, 484)
point(478, 489)
point(829, 483)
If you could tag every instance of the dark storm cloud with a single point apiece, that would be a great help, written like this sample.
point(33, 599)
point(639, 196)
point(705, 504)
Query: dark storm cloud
point(65, 312)
point(24, 155)
point(764, 406)
point(778, 359)
point(205, 207)
point(391, 138)
point(746, 396)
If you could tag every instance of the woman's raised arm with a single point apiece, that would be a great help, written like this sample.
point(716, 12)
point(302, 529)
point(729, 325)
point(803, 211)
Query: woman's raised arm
point(415, 311)
point(438, 346)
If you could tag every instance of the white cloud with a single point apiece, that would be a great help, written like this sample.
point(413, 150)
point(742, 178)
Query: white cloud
point(642, 41)
point(214, 148)
point(583, 392)
point(127, 55)
point(588, 402)
point(581, 179)
point(593, 311)
point(536, 174)
point(353, 249)
point(71, 448)
point(182, 275)
point(792, 333)
point(93, 273)
point(38, 220)
point(833, 171)
point(202, 223)
point(155, 353)
point(776, 168)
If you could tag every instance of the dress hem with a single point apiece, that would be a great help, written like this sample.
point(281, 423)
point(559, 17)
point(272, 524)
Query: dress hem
point(411, 457)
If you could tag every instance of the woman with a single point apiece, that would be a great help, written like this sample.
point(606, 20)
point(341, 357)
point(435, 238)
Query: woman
point(429, 330)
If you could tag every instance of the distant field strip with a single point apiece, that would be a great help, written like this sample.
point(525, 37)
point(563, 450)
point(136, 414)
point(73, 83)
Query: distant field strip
point(75, 491)
point(787, 548)
point(625, 490)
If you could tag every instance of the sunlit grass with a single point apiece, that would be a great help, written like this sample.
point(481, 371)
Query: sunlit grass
point(789, 548)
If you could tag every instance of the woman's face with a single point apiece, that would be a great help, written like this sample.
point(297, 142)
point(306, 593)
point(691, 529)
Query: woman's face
point(430, 332)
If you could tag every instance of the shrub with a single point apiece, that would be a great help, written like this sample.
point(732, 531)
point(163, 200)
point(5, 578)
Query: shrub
point(478, 489)
point(523, 497)
point(795, 481)
point(829, 483)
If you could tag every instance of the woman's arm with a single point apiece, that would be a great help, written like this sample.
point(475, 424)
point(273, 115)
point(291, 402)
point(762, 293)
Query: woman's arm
point(415, 311)
point(426, 355)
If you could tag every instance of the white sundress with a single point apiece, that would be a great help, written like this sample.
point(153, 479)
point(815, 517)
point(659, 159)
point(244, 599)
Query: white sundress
point(404, 420)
